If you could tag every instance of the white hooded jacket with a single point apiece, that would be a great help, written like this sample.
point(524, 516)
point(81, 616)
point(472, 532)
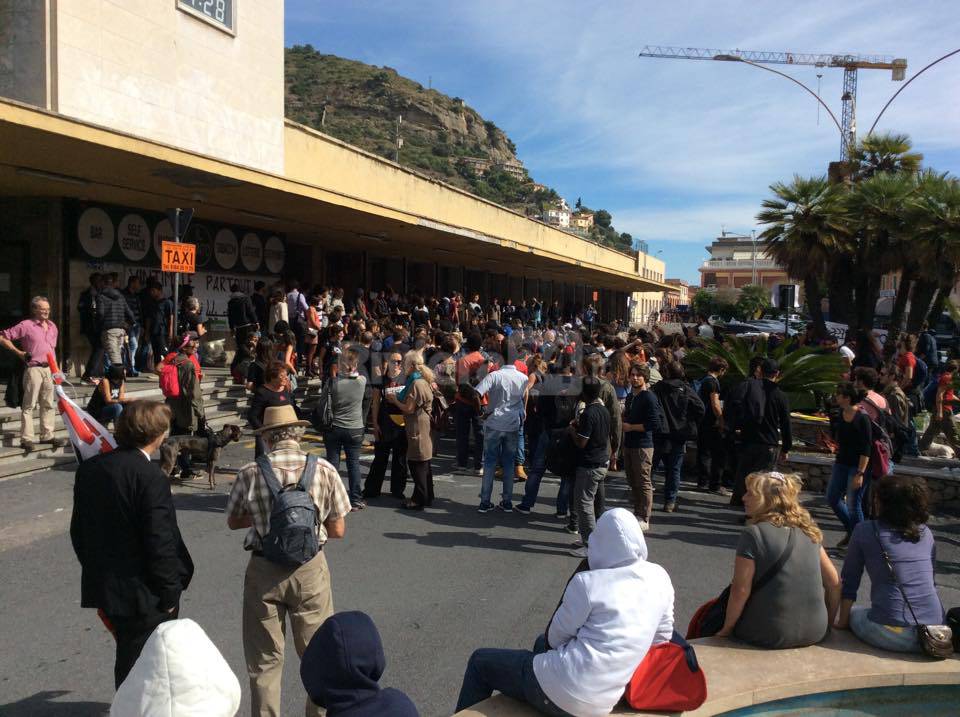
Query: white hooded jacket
point(180, 673)
point(609, 617)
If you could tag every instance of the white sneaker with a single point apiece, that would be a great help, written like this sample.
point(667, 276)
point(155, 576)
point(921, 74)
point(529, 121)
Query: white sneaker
point(578, 552)
point(644, 526)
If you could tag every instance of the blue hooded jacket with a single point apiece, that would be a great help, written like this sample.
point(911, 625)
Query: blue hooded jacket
point(341, 669)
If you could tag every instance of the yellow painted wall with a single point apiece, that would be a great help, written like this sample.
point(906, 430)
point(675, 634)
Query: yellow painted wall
point(317, 159)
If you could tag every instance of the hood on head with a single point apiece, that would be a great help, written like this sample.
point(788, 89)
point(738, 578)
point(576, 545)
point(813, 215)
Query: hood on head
point(179, 673)
point(343, 663)
point(617, 541)
point(112, 292)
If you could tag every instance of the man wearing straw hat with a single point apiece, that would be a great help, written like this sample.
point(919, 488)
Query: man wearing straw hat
point(274, 586)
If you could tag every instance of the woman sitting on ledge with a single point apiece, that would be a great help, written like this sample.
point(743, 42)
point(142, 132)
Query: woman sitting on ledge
point(799, 600)
point(614, 608)
point(900, 503)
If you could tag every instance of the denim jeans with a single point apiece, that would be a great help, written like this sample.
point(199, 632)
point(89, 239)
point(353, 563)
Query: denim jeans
point(588, 480)
point(886, 637)
point(538, 464)
point(350, 440)
point(509, 672)
point(499, 448)
point(672, 454)
point(847, 504)
point(110, 412)
point(130, 360)
point(467, 422)
point(521, 445)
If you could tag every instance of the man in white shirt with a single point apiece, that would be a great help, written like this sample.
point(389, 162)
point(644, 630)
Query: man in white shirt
point(505, 389)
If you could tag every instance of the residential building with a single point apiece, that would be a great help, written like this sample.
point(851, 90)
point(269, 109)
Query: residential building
point(557, 216)
point(677, 295)
point(736, 261)
point(478, 165)
point(514, 168)
point(581, 220)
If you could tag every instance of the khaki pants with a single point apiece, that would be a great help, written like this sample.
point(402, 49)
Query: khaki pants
point(271, 593)
point(638, 465)
point(112, 340)
point(37, 389)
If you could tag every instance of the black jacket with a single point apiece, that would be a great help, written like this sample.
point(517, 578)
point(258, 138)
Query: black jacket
point(240, 311)
point(260, 309)
point(773, 428)
point(124, 532)
point(113, 311)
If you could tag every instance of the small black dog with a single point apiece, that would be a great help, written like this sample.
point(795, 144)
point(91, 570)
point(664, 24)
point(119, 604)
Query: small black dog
point(206, 448)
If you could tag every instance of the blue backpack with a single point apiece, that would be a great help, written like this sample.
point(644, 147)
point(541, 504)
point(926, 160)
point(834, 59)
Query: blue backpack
point(292, 537)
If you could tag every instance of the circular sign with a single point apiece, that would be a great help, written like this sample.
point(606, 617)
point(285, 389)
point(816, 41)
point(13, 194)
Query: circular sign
point(251, 252)
point(226, 249)
point(163, 232)
point(200, 236)
point(133, 236)
point(274, 255)
point(95, 231)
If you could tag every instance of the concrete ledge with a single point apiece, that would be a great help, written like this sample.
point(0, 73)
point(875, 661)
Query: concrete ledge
point(740, 676)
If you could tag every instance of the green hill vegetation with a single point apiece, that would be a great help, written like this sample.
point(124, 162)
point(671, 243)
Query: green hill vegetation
point(442, 136)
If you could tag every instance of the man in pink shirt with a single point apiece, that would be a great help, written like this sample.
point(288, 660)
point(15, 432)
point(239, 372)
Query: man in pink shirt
point(866, 379)
point(38, 338)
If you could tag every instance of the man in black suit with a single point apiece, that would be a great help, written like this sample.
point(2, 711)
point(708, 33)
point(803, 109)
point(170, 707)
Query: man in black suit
point(124, 532)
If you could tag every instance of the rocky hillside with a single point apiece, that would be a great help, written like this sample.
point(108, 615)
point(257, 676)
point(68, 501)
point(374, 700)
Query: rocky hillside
point(442, 136)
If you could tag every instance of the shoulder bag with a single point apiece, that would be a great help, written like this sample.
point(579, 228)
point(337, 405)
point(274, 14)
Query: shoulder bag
point(709, 618)
point(935, 640)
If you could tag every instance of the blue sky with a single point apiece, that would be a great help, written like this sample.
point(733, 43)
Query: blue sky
point(674, 149)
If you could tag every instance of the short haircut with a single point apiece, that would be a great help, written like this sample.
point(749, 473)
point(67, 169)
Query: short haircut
point(718, 364)
point(675, 370)
point(866, 375)
point(474, 341)
point(234, 287)
point(37, 300)
point(590, 388)
point(141, 423)
point(593, 364)
point(284, 433)
point(273, 371)
point(847, 389)
point(641, 369)
point(257, 285)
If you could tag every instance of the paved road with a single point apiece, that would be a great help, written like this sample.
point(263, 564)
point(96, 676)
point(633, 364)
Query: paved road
point(438, 584)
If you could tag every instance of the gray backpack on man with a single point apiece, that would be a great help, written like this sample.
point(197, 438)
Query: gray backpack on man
point(292, 538)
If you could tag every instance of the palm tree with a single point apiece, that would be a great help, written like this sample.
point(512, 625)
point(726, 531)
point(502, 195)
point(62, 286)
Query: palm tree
point(876, 207)
point(934, 214)
point(887, 152)
point(806, 231)
point(806, 374)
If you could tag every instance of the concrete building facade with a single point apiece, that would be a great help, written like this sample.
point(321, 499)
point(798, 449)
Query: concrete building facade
point(96, 149)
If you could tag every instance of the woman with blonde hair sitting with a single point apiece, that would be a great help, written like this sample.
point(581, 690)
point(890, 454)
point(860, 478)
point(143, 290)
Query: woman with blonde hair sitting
point(416, 403)
point(785, 590)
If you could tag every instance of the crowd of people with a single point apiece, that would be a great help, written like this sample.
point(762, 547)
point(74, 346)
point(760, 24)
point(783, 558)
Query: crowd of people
point(525, 389)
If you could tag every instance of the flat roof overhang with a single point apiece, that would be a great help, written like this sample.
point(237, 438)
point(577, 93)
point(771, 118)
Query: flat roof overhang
point(46, 154)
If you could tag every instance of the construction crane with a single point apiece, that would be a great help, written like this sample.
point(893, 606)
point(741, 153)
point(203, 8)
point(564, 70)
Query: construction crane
point(849, 62)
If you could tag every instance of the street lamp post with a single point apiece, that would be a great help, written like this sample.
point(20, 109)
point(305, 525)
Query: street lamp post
point(753, 240)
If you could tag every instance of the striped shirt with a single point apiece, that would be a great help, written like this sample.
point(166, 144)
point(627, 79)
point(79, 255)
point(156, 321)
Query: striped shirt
point(250, 495)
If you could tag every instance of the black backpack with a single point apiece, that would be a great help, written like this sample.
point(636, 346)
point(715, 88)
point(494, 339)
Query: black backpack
point(890, 429)
point(292, 537)
point(322, 416)
point(681, 410)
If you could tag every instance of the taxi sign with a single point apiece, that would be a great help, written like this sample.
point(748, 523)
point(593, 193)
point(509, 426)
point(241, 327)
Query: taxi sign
point(178, 257)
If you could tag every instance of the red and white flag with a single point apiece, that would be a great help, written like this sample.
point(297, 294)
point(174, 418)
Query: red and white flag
point(88, 437)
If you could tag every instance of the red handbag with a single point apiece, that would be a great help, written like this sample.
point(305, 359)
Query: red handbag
point(668, 680)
